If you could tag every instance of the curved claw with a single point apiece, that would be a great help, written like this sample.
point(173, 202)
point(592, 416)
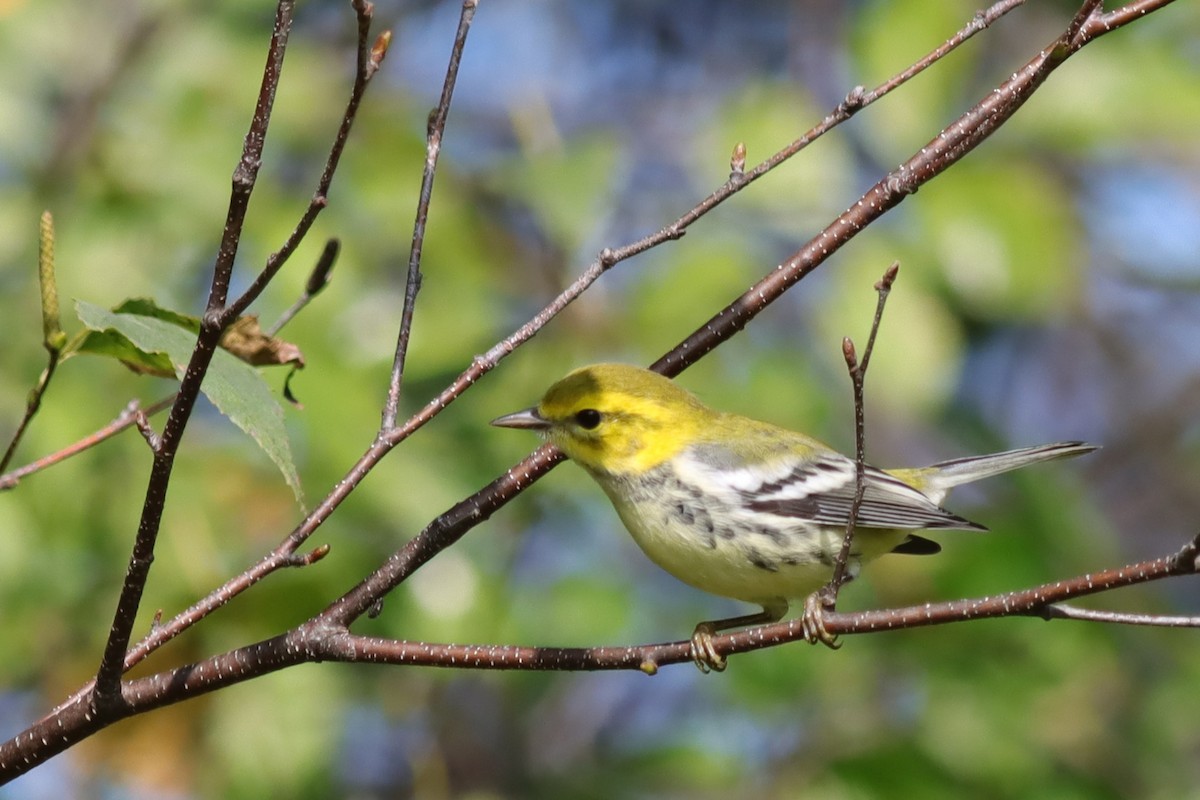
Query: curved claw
point(704, 654)
point(813, 623)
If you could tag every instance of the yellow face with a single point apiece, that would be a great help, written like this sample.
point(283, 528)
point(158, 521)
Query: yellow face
point(617, 418)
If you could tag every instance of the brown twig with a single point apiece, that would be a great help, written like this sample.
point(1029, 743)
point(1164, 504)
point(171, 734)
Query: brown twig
point(856, 100)
point(545, 458)
point(858, 374)
point(32, 404)
point(282, 555)
point(1100, 24)
point(318, 279)
point(1061, 611)
point(317, 641)
point(369, 58)
point(323, 643)
point(325, 637)
point(610, 257)
point(127, 418)
point(219, 315)
point(946, 149)
point(107, 693)
point(53, 338)
point(450, 526)
point(433, 149)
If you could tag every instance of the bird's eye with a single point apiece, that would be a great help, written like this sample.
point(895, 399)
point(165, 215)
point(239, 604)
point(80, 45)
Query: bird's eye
point(588, 418)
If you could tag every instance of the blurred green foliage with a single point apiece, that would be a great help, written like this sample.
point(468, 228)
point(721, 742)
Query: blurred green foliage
point(126, 121)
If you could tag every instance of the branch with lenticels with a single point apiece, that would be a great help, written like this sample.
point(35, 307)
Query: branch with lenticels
point(326, 636)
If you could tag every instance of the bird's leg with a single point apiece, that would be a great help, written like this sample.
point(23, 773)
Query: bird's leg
point(705, 655)
point(812, 622)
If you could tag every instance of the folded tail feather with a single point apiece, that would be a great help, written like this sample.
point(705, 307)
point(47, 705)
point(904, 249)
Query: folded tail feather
point(938, 479)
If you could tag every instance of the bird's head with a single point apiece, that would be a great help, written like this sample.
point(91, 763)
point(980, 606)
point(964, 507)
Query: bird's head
point(615, 418)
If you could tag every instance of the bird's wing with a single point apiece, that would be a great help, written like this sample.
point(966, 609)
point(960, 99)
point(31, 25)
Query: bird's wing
point(821, 489)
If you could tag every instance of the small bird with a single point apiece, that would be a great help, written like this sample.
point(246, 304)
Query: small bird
point(737, 507)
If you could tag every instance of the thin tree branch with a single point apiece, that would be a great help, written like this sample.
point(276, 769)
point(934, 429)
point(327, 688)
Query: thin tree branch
point(216, 318)
point(368, 62)
point(72, 722)
point(947, 148)
point(32, 404)
point(1101, 24)
point(450, 526)
point(1025, 602)
point(107, 693)
point(127, 418)
point(318, 279)
point(944, 150)
point(325, 637)
point(1061, 611)
point(369, 59)
point(53, 338)
point(855, 101)
point(433, 149)
point(315, 641)
point(858, 374)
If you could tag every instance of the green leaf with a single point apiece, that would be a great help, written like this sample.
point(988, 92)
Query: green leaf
point(235, 388)
point(112, 344)
point(146, 307)
point(244, 338)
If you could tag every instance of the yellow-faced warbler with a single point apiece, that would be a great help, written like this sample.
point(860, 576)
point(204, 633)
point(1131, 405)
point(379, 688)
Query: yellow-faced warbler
point(738, 507)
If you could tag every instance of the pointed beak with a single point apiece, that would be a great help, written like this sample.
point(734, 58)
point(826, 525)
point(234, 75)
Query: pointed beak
point(529, 418)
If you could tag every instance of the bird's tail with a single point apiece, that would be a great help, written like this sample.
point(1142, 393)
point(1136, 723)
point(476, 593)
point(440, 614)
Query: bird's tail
point(938, 479)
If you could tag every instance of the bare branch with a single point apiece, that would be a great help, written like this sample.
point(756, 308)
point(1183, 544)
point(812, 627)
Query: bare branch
point(146, 430)
point(326, 636)
point(318, 279)
point(108, 676)
point(368, 61)
point(858, 375)
point(1062, 611)
point(216, 318)
point(433, 149)
point(1100, 24)
point(125, 419)
point(1025, 602)
point(856, 100)
point(949, 146)
point(53, 339)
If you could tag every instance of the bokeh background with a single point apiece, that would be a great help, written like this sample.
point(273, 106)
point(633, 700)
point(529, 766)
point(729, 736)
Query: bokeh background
point(1050, 289)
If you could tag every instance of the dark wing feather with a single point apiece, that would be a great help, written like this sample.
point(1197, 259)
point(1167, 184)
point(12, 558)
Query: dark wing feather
point(917, 546)
point(887, 501)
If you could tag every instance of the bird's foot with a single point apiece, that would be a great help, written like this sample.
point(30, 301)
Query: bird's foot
point(812, 622)
point(704, 654)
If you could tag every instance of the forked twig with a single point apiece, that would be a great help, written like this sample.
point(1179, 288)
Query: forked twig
point(326, 637)
point(126, 419)
point(107, 692)
point(370, 56)
point(219, 314)
point(858, 374)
